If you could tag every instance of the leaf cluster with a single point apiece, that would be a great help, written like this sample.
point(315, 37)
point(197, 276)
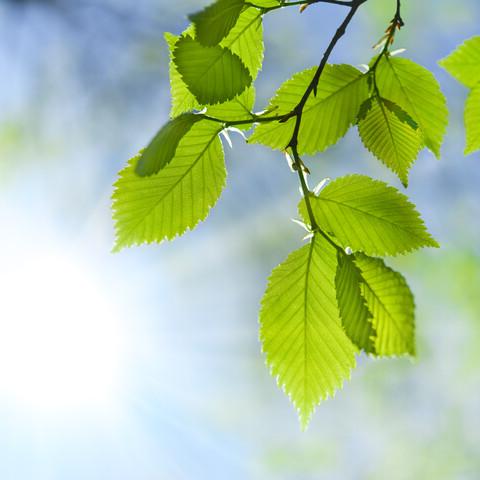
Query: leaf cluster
point(335, 296)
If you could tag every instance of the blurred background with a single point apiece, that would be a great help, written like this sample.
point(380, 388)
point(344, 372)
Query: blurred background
point(146, 364)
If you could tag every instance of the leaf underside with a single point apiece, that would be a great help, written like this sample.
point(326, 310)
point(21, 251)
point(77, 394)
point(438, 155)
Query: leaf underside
point(305, 345)
point(212, 74)
point(151, 209)
point(326, 117)
point(393, 141)
point(416, 91)
point(369, 216)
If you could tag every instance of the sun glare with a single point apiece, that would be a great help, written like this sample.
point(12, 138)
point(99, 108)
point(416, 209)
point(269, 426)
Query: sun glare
point(60, 343)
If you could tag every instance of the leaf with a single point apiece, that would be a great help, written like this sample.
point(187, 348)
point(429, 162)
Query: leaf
point(464, 62)
point(326, 117)
point(354, 313)
point(391, 302)
point(246, 40)
point(302, 336)
point(266, 3)
point(369, 216)
point(472, 120)
point(212, 74)
point(237, 109)
point(416, 91)
point(182, 99)
point(161, 149)
point(151, 209)
point(391, 140)
point(214, 22)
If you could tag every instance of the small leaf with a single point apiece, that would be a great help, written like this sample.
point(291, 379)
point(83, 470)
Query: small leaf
point(369, 216)
point(151, 209)
point(326, 117)
point(416, 91)
point(215, 22)
point(391, 140)
point(391, 302)
point(464, 62)
point(300, 329)
point(212, 74)
point(163, 146)
point(472, 120)
point(354, 313)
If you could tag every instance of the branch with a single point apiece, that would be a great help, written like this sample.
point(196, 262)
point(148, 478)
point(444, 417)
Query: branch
point(306, 3)
point(297, 112)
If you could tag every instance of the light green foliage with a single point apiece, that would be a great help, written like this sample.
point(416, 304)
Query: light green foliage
point(327, 116)
point(306, 348)
point(329, 300)
point(356, 318)
point(212, 74)
point(416, 91)
point(182, 99)
point(390, 139)
point(151, 209)
point(161, 149)
point(464, 62)
point(472, 120)
point(266, 3)
point(215, 22)
point(464, 65)
point(239, 107)
point(369, 216)
point(245, 40)
point(391, 304)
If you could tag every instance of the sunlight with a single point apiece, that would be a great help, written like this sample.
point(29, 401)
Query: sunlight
point(60, 341)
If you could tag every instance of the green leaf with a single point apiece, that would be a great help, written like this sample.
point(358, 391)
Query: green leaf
point(464, 62)
point(300, 329)
point(212, 74)
point(416, 91)
point(392, 141)
point(215, 22)
point(354, 312)
point(266, 3)
point(369, 216)
point(391, 302)
point(237, 109)
point(326, 117)
point(161, 149)
point(245, 40)
point(402, 115)
point(472, 120)
point(151, 209)
point(182, 99)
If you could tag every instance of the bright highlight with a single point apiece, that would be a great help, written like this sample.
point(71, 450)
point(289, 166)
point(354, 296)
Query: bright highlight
point(60, 344)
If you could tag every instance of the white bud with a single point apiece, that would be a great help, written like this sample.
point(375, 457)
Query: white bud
point(348, 251)
point(321, 186)
point(301, 224)
point(398, 52)
point(226, 136)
